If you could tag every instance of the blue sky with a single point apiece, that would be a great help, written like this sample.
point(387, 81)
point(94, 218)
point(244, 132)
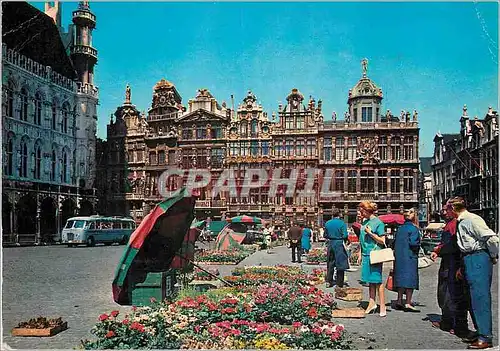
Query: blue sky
point(432, 57)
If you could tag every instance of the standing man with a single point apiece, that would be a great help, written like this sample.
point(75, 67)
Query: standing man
point(479, 246)
point(452, 292)
point(295, 237)
point(336, 234)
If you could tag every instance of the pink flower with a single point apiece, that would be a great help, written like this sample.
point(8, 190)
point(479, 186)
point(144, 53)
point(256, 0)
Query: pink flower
point(125, 321)
point(115, 313)
point(103, 317)
point(110, 334)
point(296, 324)
point(152, 300)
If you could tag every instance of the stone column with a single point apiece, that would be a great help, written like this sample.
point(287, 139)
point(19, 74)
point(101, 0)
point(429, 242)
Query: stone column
point(375, 181)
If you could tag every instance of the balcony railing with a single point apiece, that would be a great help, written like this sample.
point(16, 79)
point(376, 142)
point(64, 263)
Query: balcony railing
point(84, 49)
point(153, 117)
point(89, 89)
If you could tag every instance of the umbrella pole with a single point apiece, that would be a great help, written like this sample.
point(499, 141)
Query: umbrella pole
point(204, 270)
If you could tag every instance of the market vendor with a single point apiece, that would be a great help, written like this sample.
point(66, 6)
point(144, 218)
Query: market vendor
point(336, 234)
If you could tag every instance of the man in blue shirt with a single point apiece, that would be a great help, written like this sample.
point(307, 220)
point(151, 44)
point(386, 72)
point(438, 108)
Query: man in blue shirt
point(336, 234)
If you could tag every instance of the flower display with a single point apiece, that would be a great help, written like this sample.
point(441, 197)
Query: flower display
point(251, 276)
point(316, 256)
point(203, 275)
point(222, 257)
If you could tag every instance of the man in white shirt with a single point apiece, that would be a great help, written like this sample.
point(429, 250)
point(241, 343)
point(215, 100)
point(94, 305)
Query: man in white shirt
point(479, 247)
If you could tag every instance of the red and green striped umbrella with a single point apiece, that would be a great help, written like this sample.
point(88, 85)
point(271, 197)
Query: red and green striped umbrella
point(231, 236)
point(154, 244)
point(245, 219)
point(186, 252)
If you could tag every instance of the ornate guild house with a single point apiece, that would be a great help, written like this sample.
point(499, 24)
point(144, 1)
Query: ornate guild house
point(366, 155)
point(48, 120)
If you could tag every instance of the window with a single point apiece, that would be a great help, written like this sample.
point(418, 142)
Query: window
point(139, 155)
point(24, 105)
point(327, 149)
point(311, 147)
point(351, 149)
point(366, 114)
point(354, 117)
point(38, 162)
point(289, 147)
point(171, 157)
point(396, 148)
point(254, 128)
point(217, 158)
point(300, 122)
point(382, 148)
point(201, 133)
point(152, 158)
point(243, 148)
point(288, 122)
point(54, 116)
point(382, 181)
point(395, 178)
point(187, 134)
point(255, 147)
point(300, 150)
point(244, 129)
point(64, 170)
point(216, 132)
point(38, 109)
point(408, 148)
point(53, 161)
point(278, 149)
point(351, 181)
point(339, 149)
point(10, 158)
point(265, 148)
point(233, 149)
point(367, 181)
point(339, 181)
point(10, 103)
point(161, 157)
point(65, 117)
point(408, 181)
point(23, 172)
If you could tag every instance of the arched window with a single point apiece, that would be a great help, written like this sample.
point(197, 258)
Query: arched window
point(38, 109)
point(23, 172)
point(10, 158)
point(65, 118)
point(10, 102)
point(24, 105)
point(38, 162)
point(64, 168)
point(254, 128)
point(53, 162)
point(54, 115)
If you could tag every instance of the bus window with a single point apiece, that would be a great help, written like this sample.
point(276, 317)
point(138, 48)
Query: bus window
point(116, 225)
point(132, 225)
point(92, 225)
point(69, 224)
point(79, 224)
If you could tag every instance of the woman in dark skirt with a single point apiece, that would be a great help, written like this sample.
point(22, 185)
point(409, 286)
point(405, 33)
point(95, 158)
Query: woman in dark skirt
point(406, 248)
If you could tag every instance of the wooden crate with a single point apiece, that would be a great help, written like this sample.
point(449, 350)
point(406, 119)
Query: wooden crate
point(39, 332)
point(355, 312)
point(349, 294)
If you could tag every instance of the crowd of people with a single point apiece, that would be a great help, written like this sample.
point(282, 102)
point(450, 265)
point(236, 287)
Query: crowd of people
point(468, 251)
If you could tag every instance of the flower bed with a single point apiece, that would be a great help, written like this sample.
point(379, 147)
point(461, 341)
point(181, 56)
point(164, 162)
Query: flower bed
point(252, 276)
point(222, 257)
point(270, 316)
point(202, 275)
point(316, 256)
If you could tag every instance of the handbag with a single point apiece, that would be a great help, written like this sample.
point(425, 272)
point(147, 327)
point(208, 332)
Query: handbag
point(389, 284)
point(380, 256)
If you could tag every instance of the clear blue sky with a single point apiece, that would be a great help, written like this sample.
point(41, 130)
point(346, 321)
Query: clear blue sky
point(433, 57)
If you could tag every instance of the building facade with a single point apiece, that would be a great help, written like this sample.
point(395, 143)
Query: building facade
point(466, 164)
point(366, 155)
point(48, 121)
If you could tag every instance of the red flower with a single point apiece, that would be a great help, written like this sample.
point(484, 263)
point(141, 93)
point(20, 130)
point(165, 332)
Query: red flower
point(296, 324)
point(152, 300)
point(110, 334)
point(134, 308)
point(197, 328)
point(137, 326)
point(125, 321)
point(236, 332)
point(115, 313)
point(316, 330)
point(312, 312)
point(103, 317)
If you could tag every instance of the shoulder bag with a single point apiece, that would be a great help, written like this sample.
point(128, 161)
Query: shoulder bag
point(383, 255)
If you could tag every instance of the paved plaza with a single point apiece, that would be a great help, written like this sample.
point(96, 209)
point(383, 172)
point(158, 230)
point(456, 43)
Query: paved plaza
point(75, 284)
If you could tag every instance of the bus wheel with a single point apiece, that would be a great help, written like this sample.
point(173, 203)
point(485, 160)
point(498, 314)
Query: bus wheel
point(108, 244)
point(90, 241)
point(124, 240)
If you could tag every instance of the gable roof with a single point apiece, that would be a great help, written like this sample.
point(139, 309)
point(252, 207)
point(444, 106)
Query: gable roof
point(32, 33)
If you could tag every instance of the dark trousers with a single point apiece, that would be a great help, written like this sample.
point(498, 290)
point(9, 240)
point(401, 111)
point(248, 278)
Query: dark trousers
point(452, 296)
point(340, 276)
point(296, 250)
point(479, 273)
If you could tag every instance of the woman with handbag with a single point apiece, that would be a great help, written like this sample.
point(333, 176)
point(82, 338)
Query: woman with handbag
point(372, 238)
point(406, 247)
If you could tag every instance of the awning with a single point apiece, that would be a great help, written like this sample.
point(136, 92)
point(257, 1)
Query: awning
point(435, 226)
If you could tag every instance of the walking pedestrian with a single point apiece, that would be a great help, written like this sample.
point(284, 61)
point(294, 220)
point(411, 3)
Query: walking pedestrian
point(295, 237)
point(372, 237)
point(406, 248)
point(479, 247)
point(336, 234)
point(451, 292)
point(306, 239)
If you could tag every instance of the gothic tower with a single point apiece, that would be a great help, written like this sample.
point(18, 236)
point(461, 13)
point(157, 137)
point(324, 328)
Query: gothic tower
point(84, 57)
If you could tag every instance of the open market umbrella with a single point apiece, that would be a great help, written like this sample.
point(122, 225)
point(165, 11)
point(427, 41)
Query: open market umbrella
point(245, 219)
point(392, 219)
point(232, 235)
point(153, 244)
point(186, 252)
